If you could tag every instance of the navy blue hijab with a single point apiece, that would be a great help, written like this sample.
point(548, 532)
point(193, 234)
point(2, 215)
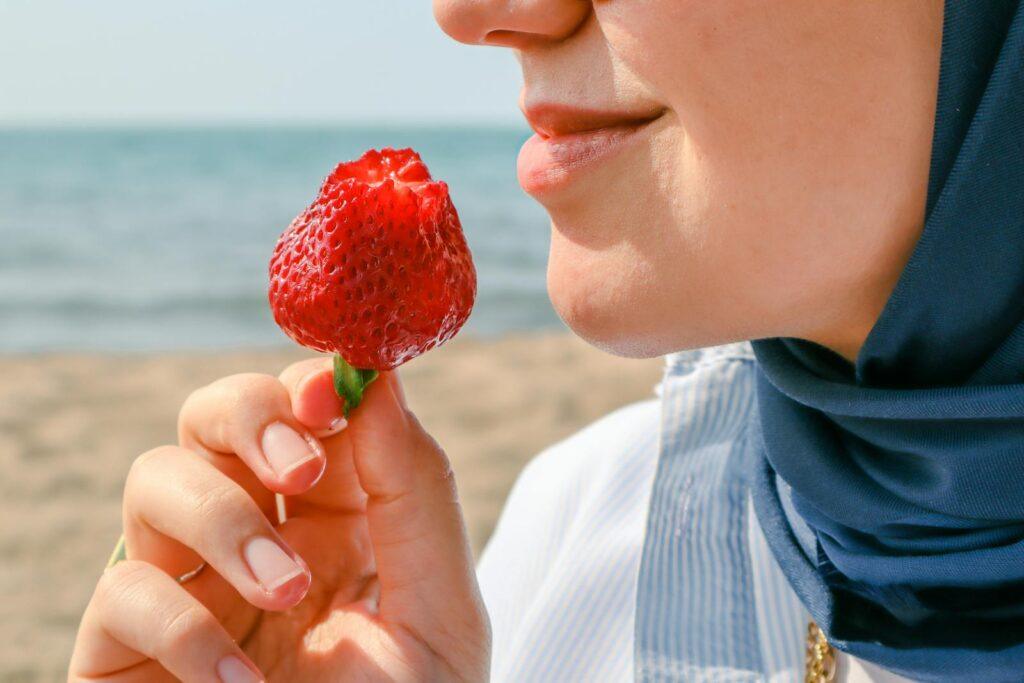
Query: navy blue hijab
point(908, 466)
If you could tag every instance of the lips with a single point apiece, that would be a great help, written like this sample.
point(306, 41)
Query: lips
point(569, 140)
point(555, 120)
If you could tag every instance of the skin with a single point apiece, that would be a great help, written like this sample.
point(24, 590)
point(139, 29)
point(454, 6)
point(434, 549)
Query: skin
point(783, 190)
point(779, 193)
point(389, 592)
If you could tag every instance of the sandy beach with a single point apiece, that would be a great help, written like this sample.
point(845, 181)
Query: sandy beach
point(70, 426)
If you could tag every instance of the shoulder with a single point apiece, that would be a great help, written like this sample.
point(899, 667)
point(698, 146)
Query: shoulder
point(559, 484)
point(620, 450)
point(570, 536)
point(573, 528)
point(588, 455)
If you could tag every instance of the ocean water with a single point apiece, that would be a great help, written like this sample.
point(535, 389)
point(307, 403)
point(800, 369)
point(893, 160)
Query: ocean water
point(146, 239)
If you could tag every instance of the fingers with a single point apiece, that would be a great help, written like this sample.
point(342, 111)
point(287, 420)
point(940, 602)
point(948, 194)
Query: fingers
point(315, 403)
point(139, 613)
point(310, 383)
point(250, 415)
point(419, 540)
point(179, 507)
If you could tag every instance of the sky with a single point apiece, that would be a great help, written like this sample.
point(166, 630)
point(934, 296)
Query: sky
point(245, 61)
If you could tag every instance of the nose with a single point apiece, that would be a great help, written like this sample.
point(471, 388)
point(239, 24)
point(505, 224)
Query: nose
point(510, 23)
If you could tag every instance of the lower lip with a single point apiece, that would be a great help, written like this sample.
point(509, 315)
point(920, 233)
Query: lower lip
point(546, 164)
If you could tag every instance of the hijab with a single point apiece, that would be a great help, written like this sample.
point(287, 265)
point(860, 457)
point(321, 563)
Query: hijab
point(891, 490)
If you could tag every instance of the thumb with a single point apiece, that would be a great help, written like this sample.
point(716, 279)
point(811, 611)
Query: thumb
point(424, 562)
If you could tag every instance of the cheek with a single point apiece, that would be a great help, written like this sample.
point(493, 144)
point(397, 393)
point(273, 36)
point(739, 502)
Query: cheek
point(801, 140)
point(655, 254)
point(629, 260)
point(702, 39)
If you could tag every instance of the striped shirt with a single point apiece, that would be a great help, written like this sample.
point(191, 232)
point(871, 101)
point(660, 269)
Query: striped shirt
point(630, 551)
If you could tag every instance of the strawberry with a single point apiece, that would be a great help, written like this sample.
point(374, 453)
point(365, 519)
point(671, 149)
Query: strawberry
point(376, 270)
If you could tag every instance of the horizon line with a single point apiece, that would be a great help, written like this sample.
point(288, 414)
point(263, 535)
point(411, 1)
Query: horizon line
point(108, 123)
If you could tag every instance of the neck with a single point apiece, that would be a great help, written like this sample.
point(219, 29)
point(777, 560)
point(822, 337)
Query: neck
point(847, 326)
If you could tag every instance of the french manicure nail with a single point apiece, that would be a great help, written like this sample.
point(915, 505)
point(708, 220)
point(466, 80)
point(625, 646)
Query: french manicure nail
point(337, 424)
point(285, 448)
point(271, 565)
point(231, 669)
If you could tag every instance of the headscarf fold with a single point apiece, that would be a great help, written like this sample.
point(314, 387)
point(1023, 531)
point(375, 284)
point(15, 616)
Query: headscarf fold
point(908, 466)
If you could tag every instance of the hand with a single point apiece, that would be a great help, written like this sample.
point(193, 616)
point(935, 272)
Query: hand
point(370, 578)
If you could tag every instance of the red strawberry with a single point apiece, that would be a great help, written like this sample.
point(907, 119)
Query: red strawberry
point(376, 270)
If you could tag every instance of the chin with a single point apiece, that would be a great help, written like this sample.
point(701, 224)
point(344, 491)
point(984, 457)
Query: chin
point(601, 302)
point(618, 298)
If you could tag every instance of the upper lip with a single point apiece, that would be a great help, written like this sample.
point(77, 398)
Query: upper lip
point(549, 119)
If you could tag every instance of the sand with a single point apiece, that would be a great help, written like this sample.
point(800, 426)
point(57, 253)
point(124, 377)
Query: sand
point(70, 426)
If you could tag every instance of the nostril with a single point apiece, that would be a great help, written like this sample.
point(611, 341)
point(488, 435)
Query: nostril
point(513, 39)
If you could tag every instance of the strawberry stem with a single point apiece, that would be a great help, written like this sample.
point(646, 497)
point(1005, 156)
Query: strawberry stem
point(350, 382)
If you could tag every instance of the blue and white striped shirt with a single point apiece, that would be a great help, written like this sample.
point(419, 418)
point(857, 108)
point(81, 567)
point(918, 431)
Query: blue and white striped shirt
point(630, 551)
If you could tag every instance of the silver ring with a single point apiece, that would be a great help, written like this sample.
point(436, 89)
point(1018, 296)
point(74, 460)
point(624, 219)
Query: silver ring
point(188, 576)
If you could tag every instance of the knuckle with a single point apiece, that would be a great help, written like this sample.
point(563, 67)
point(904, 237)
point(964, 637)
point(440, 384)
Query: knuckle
point(438, 465)
point(300, 369)
point(244, 388)
point(221, 501)
point(446, 478)
point(234, 394)
point(254, 398)
point(194, 397)
point(125, 577)
point(143, 466)
point(191, 406)
point(184, 626)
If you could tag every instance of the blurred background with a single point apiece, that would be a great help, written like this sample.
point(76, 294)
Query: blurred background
point(150, 154)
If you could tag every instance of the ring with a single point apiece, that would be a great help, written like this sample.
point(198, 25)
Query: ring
point(188, 576)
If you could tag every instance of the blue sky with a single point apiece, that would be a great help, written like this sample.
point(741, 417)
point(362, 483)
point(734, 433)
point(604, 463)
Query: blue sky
point(196, 61)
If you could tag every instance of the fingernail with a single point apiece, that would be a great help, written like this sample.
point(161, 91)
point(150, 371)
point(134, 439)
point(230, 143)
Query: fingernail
point(271, 565)
point(231, 669)
point(285, 448)
point(333, 428)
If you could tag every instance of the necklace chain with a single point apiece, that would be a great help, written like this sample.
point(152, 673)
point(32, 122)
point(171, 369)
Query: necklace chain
point(820, 659)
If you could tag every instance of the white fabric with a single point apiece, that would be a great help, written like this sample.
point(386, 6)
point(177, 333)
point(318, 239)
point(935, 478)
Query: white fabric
point(559, 576)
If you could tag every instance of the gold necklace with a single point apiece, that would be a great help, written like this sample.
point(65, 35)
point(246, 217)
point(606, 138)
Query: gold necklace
point(820, 658)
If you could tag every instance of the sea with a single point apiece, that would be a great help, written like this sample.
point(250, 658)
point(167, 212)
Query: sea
point(148, 239)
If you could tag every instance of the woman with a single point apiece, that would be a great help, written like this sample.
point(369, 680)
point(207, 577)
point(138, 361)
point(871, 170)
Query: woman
point(841, 180)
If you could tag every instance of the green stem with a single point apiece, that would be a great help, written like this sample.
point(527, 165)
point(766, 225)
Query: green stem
point(119, 553)
point(350, 382)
